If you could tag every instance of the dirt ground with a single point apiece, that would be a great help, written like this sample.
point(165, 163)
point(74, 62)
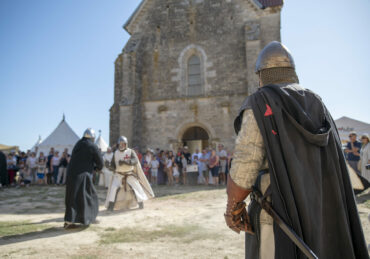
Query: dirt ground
point(182, 222)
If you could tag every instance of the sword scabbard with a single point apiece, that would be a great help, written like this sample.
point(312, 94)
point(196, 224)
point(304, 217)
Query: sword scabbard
point(257, 195)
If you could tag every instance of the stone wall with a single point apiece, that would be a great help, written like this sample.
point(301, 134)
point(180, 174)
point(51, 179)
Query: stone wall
point(151, 72)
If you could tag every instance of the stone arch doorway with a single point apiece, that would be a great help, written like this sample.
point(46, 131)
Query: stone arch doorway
point(195, 138)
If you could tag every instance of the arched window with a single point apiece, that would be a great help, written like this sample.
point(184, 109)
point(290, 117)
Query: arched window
point(194, 76)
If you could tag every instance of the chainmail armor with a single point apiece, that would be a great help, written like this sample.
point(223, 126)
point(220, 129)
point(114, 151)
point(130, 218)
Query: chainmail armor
point(278, 75)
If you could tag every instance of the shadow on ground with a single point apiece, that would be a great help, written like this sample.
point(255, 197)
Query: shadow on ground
point(46, 233)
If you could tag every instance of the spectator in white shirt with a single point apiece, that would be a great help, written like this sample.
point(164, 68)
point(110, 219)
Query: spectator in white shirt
point(55, 166)
point(222, 154)
point(31, 164)
point(154, 164)
point(184, 162)
point(196, 153)
point(203, 170)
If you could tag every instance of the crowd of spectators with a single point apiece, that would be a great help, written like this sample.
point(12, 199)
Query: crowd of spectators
point(162, 167)
point(25, 168)
point(358, 154)
point(209, 166)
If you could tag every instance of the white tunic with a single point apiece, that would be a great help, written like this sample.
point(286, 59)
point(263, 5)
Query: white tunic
point(123, 156)
point(106, 178)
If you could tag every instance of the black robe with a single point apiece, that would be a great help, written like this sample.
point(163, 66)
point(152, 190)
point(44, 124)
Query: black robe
point(3, 170)
point(82, 205)
point(311, 189)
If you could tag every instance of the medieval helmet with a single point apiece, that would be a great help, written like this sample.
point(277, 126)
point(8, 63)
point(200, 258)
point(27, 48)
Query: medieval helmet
point(274, 55)
point(122, 139)
point(89, 133)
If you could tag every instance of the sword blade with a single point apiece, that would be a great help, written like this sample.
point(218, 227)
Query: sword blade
point(288, 231)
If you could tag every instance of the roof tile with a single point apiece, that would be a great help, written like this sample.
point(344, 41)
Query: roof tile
point(269, 3)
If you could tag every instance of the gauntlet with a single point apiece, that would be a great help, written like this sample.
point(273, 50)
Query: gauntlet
point(122, 162)
point(236, 216)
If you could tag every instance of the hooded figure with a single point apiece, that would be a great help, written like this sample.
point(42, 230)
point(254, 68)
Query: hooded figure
point(81, 200)
point(289, 149)
point(129, 186)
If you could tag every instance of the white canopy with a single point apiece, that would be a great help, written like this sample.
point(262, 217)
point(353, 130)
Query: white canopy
point(36, 146)
point(102, 145)
point(62, 137)
point(345, 125)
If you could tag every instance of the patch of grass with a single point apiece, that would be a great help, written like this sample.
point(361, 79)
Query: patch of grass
point(109, 229)
point(84, 257)
point(127, 235)
point(60, 195)
point(201, 236)
point(31, 252)
point(19, 227)
point(9, 254)
point(367, 204)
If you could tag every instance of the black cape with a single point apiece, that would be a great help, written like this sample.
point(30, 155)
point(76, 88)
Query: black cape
point(3, 170)
point(311, 189)
point(82, 205)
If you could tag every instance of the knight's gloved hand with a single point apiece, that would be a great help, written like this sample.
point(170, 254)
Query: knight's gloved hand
point(123, 162)
point(236, 216)
point(107, 164)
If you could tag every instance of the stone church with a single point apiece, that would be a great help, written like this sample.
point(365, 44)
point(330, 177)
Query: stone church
point(186, 69)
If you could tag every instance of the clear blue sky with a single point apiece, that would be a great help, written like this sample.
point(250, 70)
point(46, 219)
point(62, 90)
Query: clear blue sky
point(58, 57)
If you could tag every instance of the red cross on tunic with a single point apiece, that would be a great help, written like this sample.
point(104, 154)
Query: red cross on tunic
point(268, 111)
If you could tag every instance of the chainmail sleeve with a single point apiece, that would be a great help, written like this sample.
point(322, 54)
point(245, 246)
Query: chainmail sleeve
point(134, 158)
point(112, 164)
point(250, 154)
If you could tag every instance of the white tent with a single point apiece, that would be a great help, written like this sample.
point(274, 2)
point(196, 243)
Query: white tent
point(345, 125)
point(100, 142)
point(62, 137)
point(36, 146)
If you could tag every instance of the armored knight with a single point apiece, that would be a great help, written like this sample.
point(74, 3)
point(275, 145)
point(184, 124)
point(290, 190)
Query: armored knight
point(129, 186)
point(288, 156)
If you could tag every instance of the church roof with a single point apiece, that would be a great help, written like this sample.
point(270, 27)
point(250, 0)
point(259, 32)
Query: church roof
point(134, 15)
point(268, 3)
point(260, 3)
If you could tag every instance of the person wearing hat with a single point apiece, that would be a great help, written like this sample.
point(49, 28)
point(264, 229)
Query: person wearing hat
point(365, 157)
point(82, 204)
point(288, 156)
point(353, 151)
point(129, 186)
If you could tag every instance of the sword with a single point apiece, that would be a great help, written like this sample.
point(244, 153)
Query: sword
point(257, 196)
